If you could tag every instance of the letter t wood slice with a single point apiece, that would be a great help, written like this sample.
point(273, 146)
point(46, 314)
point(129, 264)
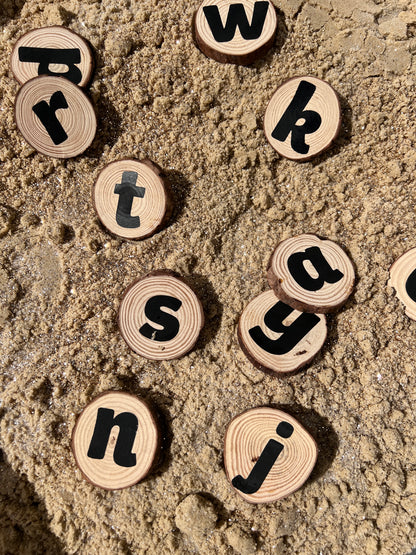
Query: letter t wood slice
point(160, 317)
point(267, 454)
point(116, 440)
point(403, 279)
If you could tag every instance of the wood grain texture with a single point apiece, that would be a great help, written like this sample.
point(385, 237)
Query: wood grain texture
point(106, 473)
point(278, 364)
point(403, 281)
point(238, 50)
point(330, 296)
point(324, 101)
point(132, 316)
point(54, 37)
point(78, 120)
point(247, 437)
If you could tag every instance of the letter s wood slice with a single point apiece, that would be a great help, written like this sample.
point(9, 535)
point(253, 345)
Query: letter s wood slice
point(76, 122)
point(289, 455)
point(403, 279)
point(132, 198)
point(40, 47)
point(274, 351)
point(142, 442)
point(219, 37)
point(328, 297)
point(160, 317)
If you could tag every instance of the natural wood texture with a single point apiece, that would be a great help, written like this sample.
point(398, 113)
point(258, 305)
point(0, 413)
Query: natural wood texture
point(268, 451)
point(133, 441)
point(259, 33)
point(320, 262)
point(302, 103)
point(264, 321)
point(403, 279)
point(160, 317)
point(27, 63)
point(64, 125)
point(149, 204)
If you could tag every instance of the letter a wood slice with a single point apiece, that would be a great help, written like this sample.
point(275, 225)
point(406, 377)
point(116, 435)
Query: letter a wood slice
point(403, 279)
point(55, 117)
point(160, 317)
point(115, 440)
point(235, 32)
point(55, 51)
point(277, 338)
point(267, 455)
point(303, 118)
point(132, 198)
point(311, 274)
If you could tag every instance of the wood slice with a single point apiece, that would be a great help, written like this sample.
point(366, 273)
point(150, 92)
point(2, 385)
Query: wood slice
point(54, 51)
point(115, 440)
point(267, 454)
point(160, 317)
point(277, 338)
point(55, 117)
point(235, 32)
point(311, 274)
point(303, 118)
point(132, 198)
point(403, 279)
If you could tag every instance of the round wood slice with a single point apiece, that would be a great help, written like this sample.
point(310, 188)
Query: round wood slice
point(160, 317)
point(270, 344)
point(267, 454)
point(44, 52)
point(115, 440)
point(403, 279)
point(219, 37)
point(293, 274)
point(132, 198)
point(55, 117)
point(303, 118)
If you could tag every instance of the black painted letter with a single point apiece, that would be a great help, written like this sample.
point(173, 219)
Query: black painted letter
point(47, 56)
point(127, 190)
point(237, 18)
point(155, 314)
point(411, 286)
point(46, 114)
point(299, 273)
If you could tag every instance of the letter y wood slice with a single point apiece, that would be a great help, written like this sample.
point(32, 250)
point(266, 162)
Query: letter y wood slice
point(267, 454)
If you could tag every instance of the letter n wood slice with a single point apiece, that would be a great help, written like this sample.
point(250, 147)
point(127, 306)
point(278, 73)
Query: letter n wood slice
point(235, 32)
point(116, 440)
point(267, 454)
point(160, 317)
point(403, 279)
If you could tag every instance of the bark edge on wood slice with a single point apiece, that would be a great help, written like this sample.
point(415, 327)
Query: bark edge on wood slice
point(403, 281)
point(289, 454)
point(330, 296)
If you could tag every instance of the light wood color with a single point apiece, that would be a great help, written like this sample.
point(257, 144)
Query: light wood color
point(132, 317)
point(78, 120)
point(55, 37)
point(238, 50)
point(298, 356)
point(330, 296)
point(324, 101)
point(154, 208)
point(246, 438)
point(400, 272)
point(105, 472)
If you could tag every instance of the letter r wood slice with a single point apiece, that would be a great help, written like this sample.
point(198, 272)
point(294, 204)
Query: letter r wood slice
point(160, 317)
point(237, 48)
point(292, 454)
point(148, 198)
point(330, 296)
point(403, 280)
point(323, 101)
point(103, 471)
point(77, 120)
point(312, 334)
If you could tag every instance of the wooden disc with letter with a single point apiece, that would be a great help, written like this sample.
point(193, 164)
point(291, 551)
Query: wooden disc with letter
point(403, 279)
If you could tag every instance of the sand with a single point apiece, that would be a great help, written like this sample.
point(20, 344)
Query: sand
point(62, 276)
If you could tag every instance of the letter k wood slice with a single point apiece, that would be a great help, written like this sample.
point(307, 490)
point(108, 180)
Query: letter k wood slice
point(235, 32)
point(116, 440)
point(267, 454)
point(403, 279)
point(160, 317)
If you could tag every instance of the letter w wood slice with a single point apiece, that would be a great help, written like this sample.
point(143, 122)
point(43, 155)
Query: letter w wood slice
point(267, 455)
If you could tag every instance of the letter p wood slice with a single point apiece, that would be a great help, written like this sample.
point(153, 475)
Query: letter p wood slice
point(403, 279)
point(267, 454)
